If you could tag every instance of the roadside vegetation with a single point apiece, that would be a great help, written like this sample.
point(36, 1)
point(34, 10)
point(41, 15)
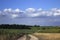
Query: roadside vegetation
point(28, 29)
point(14, 31)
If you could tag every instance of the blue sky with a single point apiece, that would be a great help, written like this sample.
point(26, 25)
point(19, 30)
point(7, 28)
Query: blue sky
point(30, 12)
point(23, 4)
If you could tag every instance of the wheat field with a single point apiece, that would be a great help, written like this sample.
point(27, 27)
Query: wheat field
point(47, 36)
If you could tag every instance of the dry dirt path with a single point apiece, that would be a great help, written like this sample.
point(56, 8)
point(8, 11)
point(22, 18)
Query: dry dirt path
point(26, 38)
point(33, 37)
point(22, 38)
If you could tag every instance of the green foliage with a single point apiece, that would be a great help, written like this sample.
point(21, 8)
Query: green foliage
point(5, 29)
point(12, 32)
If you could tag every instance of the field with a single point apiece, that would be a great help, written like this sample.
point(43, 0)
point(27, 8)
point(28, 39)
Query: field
point(14, 32)
point(47, 36)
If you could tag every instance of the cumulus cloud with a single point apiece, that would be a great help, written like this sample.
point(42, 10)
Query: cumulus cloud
point(5, 10)
point(8, 10)
point(14, 15)
point(13, 11)
point(33, 15)
point(55, 11)
point(0, 12)
point(40, 9)
point(30, 12)
point(49, 13)
point(17, 10)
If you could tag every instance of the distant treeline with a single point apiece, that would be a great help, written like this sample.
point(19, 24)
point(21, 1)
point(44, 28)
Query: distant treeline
point(17, 26)
point(34, 28)
point(14, 26)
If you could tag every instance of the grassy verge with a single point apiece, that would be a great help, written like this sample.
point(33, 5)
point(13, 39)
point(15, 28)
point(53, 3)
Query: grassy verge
point(43, 33)
point(12, 34)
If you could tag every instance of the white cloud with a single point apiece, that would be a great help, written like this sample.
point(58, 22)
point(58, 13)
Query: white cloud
point(33, 15)
point(17, 10)
point(10, 10)
point(5, 10)
point(43, 12)
point(14, 15)
point(40, 9)
point(55, 11)
point(58, 10)
point(30, 10)
point(13, 11)
point(49, 13)
point(56, 14)
point(0, 12)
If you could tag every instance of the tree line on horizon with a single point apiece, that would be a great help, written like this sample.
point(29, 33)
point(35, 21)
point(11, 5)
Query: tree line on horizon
point(17, 26)
point(14, 26)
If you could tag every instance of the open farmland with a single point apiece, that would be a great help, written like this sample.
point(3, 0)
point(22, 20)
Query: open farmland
point(47, 36)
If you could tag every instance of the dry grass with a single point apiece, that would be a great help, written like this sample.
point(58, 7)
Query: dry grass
point(48, 36)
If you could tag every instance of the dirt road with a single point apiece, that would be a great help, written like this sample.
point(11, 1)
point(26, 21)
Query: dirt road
point(22, 38)
point(26, 38)
point(33, 37)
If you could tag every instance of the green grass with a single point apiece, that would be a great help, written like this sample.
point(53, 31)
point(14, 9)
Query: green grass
point(12, 34)
point(32, 30)
point(16, 31)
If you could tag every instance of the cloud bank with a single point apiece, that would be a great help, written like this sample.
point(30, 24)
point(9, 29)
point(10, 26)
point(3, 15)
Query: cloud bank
point(29, 12)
